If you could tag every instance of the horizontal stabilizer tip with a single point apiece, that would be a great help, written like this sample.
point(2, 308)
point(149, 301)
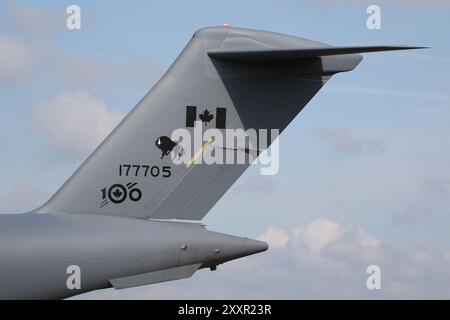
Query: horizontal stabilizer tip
point(284, 54)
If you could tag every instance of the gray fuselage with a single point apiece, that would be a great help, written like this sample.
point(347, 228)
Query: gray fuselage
point(38, 250)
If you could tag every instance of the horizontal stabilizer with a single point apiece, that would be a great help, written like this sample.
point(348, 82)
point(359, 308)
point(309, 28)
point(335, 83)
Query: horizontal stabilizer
point(284, 54)
point(155, 277)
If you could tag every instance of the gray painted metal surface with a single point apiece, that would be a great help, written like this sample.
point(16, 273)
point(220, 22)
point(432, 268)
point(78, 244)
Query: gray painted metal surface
point(116, 226)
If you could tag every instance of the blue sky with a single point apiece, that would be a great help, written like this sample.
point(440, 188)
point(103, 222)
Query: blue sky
point(371, 150)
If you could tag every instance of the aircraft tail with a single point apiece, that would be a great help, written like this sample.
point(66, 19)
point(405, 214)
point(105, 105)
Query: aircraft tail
point(226, 78)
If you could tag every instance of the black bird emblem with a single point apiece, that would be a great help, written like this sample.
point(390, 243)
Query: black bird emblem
point(166, 145)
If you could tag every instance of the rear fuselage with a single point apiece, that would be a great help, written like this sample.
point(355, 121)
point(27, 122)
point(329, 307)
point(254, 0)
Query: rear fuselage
point(40, 253)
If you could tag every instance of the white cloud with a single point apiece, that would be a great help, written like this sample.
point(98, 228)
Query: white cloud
point(31, 19)
point(317, 234)
point(375, 91)
point(436, 186)
point(277, 238)
point(35, 36)
point(345, 142)
point(322, 259)
point(15, 61)
point(430, 200)
point(406, 4)
point(75, 122)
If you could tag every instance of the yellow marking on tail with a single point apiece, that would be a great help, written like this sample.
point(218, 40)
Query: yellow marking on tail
point(199, 152)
